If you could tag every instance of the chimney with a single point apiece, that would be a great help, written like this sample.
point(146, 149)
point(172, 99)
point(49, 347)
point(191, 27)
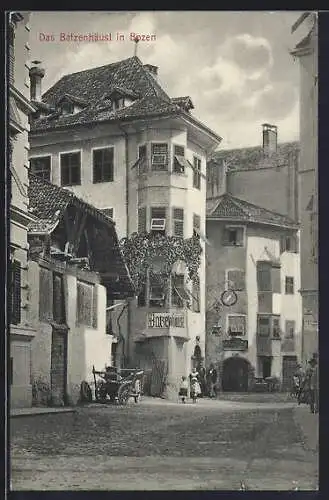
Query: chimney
point(36, 74)
point(153, 70)
point(270, 138)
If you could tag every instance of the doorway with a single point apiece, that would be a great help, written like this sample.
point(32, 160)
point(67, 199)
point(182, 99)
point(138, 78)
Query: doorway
point(58, 366)
point(266, 364)
point(235, 375)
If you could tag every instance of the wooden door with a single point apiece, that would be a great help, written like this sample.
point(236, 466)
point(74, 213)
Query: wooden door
point(289, 367)
point(58, 366)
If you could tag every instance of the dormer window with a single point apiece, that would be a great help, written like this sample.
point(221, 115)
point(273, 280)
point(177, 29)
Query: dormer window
point(118, 104)
point(67, 108)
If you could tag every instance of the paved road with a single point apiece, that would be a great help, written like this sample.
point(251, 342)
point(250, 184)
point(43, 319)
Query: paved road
point(158, 445)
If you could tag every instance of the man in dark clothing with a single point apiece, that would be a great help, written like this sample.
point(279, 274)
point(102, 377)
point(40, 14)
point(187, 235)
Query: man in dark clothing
point(211, 381)
point(202, 380)
point(314, 385)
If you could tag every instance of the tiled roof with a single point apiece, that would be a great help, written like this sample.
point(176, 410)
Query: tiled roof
point(253, 157)
point(47, 202)
point(228, 207)
point(185, 102)
point(94, 85)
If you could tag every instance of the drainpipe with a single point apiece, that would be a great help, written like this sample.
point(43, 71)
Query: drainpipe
point(126, 351)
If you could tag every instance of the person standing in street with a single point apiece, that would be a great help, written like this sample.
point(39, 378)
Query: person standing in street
point(195, 388)
point(211, 381)
point(202, 380)
point(314, 385)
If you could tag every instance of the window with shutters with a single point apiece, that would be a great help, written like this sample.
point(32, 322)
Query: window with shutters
point(157, 297)
point(196, 225)
point(142, 220)
point(196, 172)
point(289, 285)
point(142, 157)
point(237, 325)
point(233, 236)
point(235, 279)
point(178, 293)
point(158, 219)
point(11, 52)
point(159, 155)
point(276, 278)
point(264, 326)
point(288, 243)
point(290, 326)
point(45, 295)
point(264, 276)
point(268, 326)
point(70, 168)
point(14, 295)
point(178, 222)
point(103, 166)
point(41, 167)
point(58, 299)
point(86, 304)
point(196, 296)
point(179, 155)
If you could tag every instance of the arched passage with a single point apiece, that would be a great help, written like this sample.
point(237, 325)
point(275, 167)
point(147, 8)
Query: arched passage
point(235, 374)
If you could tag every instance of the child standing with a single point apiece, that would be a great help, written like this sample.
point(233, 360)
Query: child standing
point(183, 389)
point(195, 385)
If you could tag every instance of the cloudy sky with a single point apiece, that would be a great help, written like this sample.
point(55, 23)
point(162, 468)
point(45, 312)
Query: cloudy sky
point(235, 66)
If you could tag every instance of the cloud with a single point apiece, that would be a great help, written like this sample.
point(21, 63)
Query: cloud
point(234, 66)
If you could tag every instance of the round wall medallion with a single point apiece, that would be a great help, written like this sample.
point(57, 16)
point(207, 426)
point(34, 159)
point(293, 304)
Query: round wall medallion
point(229, 298)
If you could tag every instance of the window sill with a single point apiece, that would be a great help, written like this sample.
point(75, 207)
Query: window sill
point(103, 181)
point(71, 185)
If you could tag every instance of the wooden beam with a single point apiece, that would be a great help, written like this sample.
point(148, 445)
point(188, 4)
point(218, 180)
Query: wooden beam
point(78, 232)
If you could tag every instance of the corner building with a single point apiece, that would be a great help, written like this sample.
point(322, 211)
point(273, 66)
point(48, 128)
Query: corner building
point(114, 137)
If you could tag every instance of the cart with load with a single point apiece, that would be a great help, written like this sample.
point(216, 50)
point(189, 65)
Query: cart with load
point(118, 386)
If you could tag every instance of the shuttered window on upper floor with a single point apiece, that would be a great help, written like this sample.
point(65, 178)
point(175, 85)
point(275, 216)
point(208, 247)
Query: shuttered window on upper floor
point(86, 304)
point(14, 292)
point(142, 220)
point(178, 222)
point(236, 279)
point(45, 295)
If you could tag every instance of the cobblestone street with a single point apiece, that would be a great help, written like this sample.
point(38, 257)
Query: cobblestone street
point(158, 445)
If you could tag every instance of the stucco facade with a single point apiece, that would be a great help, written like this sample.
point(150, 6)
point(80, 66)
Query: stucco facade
point(19, 292)
point(261, 244)
point(85, 346)
point(131, 190)
point(305, 36)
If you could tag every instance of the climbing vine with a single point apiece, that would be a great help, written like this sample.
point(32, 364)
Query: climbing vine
point(145, 252)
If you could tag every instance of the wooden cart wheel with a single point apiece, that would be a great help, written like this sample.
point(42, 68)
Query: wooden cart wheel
point(123, 394)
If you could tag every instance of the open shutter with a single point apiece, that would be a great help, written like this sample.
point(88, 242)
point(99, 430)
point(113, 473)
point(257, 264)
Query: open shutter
point(94, 311)
point(45, 295)
point(236, 279)
point(15, 293)
point(142, 220)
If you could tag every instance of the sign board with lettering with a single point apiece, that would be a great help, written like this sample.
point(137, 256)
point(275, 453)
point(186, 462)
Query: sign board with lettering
point(165, 320)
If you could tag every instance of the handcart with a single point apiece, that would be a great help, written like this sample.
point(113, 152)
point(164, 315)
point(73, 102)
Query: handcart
point(118, 387)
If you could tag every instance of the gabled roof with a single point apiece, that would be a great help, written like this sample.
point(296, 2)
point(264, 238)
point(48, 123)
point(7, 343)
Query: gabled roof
point(230, 208)
point(253, 157)
point(48, 202)
point(94, 85)
point(72, 98)
point(184, 102)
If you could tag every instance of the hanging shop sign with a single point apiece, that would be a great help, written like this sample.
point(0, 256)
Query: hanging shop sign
point(165, 320)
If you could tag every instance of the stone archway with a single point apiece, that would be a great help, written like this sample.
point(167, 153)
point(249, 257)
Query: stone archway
point(235, 374)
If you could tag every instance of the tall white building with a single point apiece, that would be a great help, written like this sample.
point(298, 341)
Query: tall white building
point(113, 136)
